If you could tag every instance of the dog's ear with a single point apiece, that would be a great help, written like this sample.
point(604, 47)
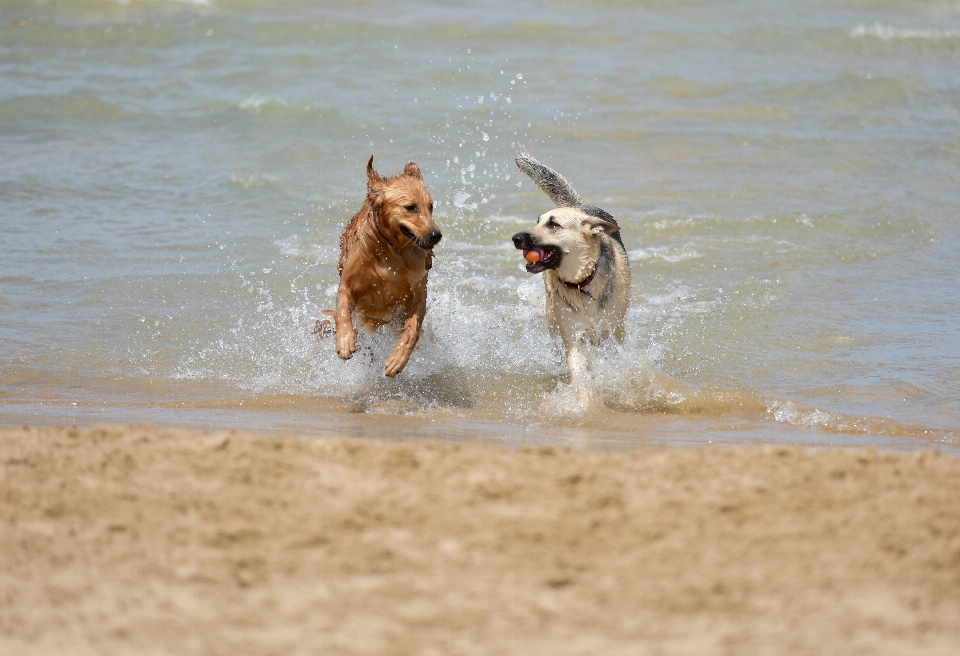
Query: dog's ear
point(595, 225)
point(413, 170)
point(373, 178)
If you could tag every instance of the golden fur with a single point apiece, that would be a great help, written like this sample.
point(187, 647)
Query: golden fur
point(385, 253)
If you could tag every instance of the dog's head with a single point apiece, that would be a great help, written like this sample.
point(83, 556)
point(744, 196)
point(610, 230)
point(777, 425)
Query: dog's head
point(402, 208)
point(568, 240)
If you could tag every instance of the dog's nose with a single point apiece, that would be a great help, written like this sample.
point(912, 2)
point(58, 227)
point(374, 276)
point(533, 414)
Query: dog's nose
point(520, 239)
point(434, 237)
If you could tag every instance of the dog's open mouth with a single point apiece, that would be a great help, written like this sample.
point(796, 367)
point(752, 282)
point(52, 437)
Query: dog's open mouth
point(541, 258)
point(419, 242)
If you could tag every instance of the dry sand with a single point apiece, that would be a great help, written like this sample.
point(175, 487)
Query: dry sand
point(137, 540)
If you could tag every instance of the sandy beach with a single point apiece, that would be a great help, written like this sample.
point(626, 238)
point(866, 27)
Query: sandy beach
point(140, 540)
point(767, 463)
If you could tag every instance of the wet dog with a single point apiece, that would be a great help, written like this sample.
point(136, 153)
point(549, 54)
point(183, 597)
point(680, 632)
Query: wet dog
point(385, 253)
point(585, 270)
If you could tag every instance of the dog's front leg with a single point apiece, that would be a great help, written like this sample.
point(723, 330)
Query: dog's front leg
point(346, 335)
point(578, 362)
point(401, 354)
point(580, 366)
point(409, 336)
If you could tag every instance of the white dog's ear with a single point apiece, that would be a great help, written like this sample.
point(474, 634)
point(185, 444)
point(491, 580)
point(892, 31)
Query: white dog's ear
point(595, 225)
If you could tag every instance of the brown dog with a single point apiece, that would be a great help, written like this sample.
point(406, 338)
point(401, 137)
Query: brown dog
point(385, 253)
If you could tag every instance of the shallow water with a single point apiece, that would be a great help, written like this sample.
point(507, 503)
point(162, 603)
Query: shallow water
point(174, 177)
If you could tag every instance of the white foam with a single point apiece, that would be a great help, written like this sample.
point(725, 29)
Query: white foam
point(670, 254)
point(250, 180)
point(256, 103)
point(307, 249)
point(618, 376)
point(888, 32)
point(532, 292)
point(788, 412)
point(194, 3)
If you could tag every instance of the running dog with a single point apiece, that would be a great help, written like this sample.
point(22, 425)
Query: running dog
point(385, 253)
point(585, 270)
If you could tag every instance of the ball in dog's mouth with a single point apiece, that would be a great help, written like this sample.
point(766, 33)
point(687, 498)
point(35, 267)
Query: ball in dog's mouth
point(539, 259)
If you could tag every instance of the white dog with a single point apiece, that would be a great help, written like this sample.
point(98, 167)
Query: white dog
point(585, 270)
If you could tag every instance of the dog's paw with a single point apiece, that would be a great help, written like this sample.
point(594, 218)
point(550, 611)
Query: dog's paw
point(396, 362)
point(347, 344)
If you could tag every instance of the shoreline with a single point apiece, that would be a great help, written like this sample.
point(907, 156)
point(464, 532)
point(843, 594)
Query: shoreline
point(137, 539)
point(599, 429)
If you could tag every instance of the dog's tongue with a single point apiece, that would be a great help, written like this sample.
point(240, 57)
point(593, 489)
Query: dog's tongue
point(533, 256)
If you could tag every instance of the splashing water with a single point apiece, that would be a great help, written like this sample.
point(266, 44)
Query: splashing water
point(175, 178)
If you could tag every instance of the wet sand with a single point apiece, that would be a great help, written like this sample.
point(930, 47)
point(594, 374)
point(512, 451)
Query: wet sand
point(139, 540)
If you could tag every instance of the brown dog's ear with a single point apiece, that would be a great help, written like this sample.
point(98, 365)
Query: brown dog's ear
point(596, 225)
point(413, 170)
point(373, 178)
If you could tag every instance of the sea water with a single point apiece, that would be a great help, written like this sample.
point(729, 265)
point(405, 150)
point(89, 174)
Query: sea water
point(174, 177)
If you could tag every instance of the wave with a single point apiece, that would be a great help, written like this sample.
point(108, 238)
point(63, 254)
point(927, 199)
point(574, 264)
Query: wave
point(256, 103)
point(251, 180)
point(629, 382)
point(670, 254)
point(42, 107)
point(889, 33)
point(202, 4)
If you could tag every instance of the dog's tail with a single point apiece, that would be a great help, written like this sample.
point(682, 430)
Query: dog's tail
point(559, 190)
point(552, 183)
point(324, 328)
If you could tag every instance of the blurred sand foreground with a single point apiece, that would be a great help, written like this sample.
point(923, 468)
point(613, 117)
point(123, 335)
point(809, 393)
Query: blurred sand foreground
point(138, 540)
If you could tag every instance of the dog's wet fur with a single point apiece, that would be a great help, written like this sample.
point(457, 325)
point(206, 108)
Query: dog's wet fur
point(584, 265)
point(386, 251)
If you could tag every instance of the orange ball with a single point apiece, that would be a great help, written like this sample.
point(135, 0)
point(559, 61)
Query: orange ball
point(532, 256)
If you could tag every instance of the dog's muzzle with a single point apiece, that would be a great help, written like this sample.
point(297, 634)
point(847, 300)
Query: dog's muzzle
point(523, 241)
point(549, 255)
point(430, 240)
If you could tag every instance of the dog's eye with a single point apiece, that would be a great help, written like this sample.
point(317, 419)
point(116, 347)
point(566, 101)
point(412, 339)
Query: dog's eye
point(431, 208)
point(551, 224)
point(411, 208)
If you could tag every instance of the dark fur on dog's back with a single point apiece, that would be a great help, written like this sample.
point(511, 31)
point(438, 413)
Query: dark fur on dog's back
point(386, 251)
